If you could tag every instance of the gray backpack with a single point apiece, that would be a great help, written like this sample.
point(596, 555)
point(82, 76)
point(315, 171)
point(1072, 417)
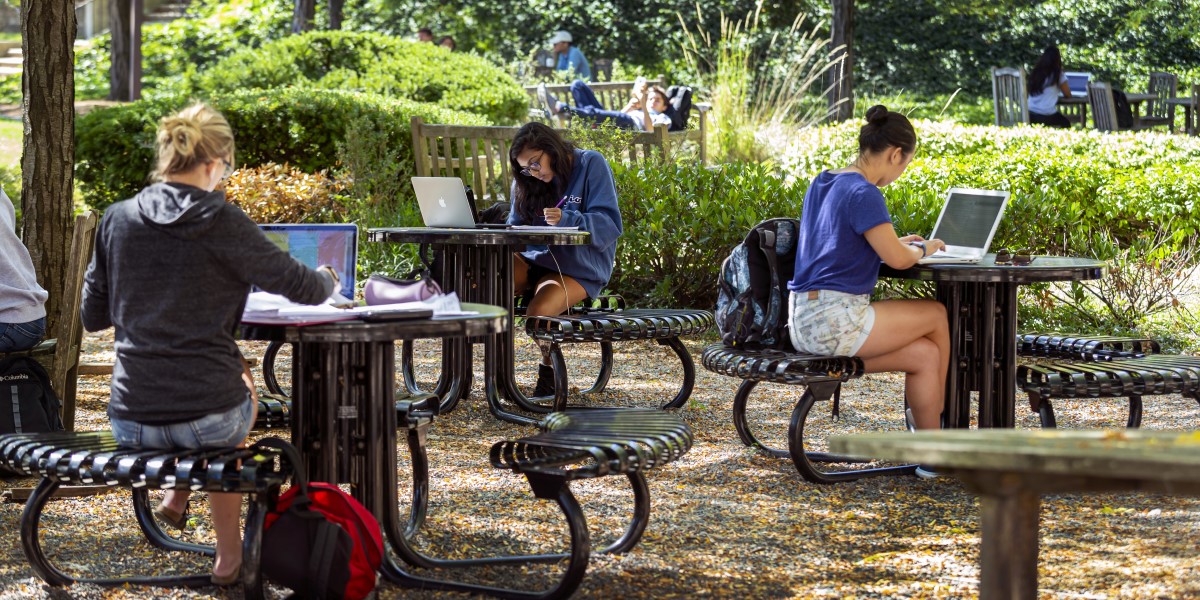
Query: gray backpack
point(752, 309)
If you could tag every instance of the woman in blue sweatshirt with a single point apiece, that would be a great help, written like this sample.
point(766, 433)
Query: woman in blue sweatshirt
point(560, 185)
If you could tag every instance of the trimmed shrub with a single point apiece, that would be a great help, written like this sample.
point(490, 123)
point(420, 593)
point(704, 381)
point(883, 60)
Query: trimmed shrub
point(376, 63)
point(115, 146)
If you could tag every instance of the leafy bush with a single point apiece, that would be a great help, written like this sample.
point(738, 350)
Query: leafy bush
point(274, 193)
point(376, 63)
point(115, 146)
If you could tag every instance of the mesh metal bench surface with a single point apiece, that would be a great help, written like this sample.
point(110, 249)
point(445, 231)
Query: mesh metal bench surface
point(93, 458)
point(575, 444)
point(1132, 378)
point(822, 377)
point(664, 326)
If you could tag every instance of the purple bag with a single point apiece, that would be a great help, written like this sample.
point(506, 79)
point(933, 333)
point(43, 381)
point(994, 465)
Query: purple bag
point(381, 289)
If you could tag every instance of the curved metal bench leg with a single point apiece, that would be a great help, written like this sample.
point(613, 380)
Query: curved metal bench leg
point(420, 481)
point(804, 460)
point(1046, 414)
point(606, 367)
point(1135, 412)
point(268, 370)
point(155, 534)
point(689, 371)
point(742, 425)
point(641, 516)
point(559, 362)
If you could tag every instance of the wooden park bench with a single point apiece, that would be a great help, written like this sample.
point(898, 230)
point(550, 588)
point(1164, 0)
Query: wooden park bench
point(572, 445)
point(94, 459)
point(1101, 367)
point(822, 377)
point(587, 325)
point(1010, 471)
point(614, 95)
point(479, 155)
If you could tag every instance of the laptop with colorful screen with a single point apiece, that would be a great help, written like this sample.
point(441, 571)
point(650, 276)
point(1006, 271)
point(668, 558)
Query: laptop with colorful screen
point(316, 244)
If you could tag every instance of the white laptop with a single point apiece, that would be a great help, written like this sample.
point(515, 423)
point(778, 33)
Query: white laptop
point(967, 225)
point(444, 203)
point(1078, 82)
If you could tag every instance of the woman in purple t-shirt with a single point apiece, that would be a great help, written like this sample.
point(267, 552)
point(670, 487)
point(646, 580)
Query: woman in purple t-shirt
point(845, 232)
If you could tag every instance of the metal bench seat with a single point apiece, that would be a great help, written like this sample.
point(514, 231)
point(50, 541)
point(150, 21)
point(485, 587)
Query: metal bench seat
point(1133, 378)
point(822, 377)
point(664, 326)
point(1069, 346)
point(94, 458)
point(576, 444)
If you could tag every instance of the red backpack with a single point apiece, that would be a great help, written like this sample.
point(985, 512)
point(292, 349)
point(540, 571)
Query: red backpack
point(318, 540)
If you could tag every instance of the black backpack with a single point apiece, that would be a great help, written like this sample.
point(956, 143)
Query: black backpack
point(752, 310)
point(1124, 111)
point(679, 99)
point(28, 403)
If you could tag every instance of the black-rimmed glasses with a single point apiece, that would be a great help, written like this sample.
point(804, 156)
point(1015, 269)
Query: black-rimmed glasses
point(1004, 256)
point(533, 167)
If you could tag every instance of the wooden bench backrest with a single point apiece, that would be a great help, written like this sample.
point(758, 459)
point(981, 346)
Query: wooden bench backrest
point(68, 327)
point(479, 155)
point(1104, 110)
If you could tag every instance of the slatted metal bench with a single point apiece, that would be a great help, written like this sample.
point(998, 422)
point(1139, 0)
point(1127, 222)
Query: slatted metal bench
point(603, 326)
point(94, 458)
point(573, 445)
point(1069, 346)
point(1132, 378)
point(822, 377)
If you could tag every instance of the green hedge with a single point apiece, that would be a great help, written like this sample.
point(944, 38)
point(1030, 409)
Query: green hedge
point(114, 149)
point(374, 63)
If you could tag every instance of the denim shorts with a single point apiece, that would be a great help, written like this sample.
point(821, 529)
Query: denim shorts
point(221, 430)
point(830, 323)
point(21, 336)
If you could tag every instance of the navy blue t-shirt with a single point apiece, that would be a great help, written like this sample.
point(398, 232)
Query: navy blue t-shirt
point(833, 253)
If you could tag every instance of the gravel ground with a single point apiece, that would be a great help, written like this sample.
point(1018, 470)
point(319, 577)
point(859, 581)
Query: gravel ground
point(727, 522)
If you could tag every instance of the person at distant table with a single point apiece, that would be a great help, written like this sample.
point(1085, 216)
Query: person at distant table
point(1045, 82)
point(567, 57)
point(424, 34)
point(447, 42)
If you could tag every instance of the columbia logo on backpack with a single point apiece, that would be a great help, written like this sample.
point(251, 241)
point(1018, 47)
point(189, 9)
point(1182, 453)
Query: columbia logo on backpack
point(752, 310)
point(318, 540)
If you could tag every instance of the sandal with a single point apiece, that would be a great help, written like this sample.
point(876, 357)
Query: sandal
point(167, 516)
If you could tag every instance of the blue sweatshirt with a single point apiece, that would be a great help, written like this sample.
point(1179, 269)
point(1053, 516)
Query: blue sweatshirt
point(592, 207)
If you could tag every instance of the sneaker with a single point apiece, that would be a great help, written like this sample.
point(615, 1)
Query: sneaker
point(549, 102)
point(927, 472)
point(545, 382)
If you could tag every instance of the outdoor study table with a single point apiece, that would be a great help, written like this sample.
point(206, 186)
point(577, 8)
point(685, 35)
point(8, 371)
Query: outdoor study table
point(477, 264)
point(981, 303)
point(343, 394)
point(1010, 470)
point(1135, 103)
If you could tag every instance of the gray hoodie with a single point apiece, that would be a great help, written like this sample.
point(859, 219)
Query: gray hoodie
point(171, 272)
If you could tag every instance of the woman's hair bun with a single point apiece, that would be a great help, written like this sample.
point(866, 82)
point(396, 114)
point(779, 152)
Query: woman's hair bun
point(877, 114)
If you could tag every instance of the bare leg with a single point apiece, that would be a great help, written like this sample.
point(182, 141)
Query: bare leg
point(555, 294)
point(912, 336)
point(226, 510)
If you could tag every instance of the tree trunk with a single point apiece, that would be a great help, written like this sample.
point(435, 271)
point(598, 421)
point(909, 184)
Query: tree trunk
point(48, 149)
point(335, 13)
point(303, 15)
point(125, 76)
point(841, 75)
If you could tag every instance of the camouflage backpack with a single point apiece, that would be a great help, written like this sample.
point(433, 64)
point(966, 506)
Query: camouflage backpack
point(752, 310)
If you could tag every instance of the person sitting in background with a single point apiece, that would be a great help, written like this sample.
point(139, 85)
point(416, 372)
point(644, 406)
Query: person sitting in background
point(447, 42)
point(646, 108)
point(22, 300)
point(424, 34)
point(170, 274)
point(1046, 81)
point(568, 57)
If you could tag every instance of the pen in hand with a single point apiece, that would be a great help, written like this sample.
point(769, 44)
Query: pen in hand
point(554, 215)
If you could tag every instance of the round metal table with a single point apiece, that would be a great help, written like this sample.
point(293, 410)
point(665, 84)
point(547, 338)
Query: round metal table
point(981, 302)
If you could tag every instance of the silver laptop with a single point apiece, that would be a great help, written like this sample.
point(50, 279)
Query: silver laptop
point(1078, 82)
point(967, 225)
point(445, 202)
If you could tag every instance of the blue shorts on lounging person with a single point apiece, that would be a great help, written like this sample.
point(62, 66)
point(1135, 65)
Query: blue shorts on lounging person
point(221, 430)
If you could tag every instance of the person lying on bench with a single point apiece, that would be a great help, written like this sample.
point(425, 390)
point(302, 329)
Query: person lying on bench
point(171, 271)
point(845, 232)
point(646, 108)
point(557, 184)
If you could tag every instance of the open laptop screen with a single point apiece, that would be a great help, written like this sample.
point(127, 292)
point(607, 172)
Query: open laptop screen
point(316, 244)
point(970, 218)
point(1078, 82)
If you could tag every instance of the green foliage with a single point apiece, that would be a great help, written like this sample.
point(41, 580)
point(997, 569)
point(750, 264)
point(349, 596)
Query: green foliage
point(300, 127)
point(682, 219)
point(10, 180)
point(375, 63)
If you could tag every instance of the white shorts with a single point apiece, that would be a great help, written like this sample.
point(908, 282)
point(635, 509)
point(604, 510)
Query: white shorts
point(830, 323)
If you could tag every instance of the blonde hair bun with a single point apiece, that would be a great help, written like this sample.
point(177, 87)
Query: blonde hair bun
point(195, 135)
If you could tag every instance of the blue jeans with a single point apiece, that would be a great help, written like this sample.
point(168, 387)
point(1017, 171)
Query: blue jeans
point(21, 336)
point(584, 96)
point(587, 106)
point(221, 430)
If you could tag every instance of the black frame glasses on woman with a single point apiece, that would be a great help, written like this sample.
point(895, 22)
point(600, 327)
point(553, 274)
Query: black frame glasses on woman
point(534, 166)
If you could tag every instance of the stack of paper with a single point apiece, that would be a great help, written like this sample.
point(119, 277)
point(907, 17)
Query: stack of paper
point(273, 309)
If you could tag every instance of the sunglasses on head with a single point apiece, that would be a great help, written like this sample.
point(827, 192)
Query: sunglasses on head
point(1004, 256)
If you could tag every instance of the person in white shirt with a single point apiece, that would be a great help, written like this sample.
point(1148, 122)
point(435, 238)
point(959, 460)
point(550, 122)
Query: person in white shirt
point(1045, 82)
